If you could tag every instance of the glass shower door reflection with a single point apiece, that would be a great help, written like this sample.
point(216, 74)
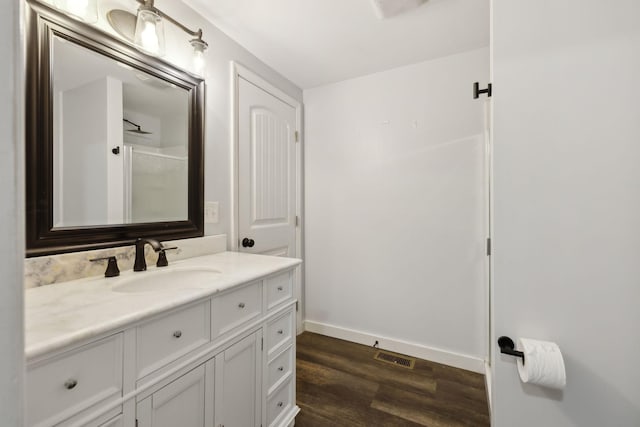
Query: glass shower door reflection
point(155, 187)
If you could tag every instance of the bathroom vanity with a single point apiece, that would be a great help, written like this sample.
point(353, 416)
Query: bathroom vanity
point(207, 341)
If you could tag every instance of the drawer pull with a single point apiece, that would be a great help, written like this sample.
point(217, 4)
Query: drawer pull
point(70, 384)
point(281, 368)
point(280, 332)
point(177, 334)
point(280, 288)
point(241, 305)
point(280, 404)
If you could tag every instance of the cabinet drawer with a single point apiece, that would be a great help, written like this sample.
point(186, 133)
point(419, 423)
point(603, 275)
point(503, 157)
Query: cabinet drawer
point(279, 289)
point(235, 308)
point(164, 339)
point(67, 384)
point(279, 332)
point(279, 404)
point(279, 368)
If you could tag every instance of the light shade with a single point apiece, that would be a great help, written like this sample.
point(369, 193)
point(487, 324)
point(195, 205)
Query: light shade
point(86, 10)
point(199, 62)
point(149, 35)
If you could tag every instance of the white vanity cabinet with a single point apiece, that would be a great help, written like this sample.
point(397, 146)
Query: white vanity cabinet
point(225, 360)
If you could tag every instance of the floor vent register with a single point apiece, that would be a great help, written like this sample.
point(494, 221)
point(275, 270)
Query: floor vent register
point(395, 359)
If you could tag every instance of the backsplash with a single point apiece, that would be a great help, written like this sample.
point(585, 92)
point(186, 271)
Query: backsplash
point(47, 270)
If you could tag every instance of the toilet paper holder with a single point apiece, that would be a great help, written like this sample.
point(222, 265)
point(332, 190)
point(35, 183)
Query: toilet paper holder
point(507, 346)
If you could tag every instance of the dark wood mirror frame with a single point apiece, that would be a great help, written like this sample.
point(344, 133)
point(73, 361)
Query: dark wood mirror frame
point(42, 238)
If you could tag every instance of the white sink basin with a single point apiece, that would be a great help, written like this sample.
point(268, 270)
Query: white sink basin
point(166, 280)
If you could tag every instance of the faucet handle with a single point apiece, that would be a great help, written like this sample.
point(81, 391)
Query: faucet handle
point(162, 256)
point(112, 265)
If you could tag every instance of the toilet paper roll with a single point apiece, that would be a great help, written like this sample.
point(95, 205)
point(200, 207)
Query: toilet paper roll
point(543, 364)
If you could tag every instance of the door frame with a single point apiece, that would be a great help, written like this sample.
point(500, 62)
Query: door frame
point(239, 71)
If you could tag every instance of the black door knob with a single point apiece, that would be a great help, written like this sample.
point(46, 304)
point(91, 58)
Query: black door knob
point(247, 243)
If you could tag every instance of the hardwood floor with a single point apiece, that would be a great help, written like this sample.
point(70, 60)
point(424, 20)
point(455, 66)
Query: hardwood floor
point(340, 384)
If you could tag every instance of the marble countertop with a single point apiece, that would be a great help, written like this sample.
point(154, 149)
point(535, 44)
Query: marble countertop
point(66, 313)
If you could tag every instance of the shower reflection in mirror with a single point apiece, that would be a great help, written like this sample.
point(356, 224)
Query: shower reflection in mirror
point(120, 142)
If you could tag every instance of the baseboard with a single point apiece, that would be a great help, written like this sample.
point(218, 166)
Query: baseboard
point(457, 360)
point(487, 383)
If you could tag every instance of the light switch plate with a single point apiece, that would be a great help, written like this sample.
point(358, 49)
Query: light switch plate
point(211, 212)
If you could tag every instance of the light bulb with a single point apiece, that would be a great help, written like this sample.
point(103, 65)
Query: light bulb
point(199, 62)
point(149, 35)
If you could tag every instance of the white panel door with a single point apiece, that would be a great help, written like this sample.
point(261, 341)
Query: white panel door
point(237, 389)
point(266, 172)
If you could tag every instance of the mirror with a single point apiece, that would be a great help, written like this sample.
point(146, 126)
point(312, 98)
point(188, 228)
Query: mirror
point(114, 141)
point(119, 142)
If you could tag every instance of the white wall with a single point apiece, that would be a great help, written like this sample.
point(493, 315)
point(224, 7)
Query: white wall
point(92, 177)
point(394, 205)
point(11, 215)
point(84, 153)
point(567, 206)
point(115, 163)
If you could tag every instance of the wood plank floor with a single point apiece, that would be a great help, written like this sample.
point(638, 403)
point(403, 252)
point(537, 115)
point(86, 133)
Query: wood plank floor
point(340, 384)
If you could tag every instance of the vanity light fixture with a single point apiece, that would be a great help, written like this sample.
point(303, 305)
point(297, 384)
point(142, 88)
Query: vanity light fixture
point(86, 10)
point(146, 30)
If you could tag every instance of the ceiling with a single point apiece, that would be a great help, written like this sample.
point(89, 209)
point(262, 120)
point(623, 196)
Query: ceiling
point(315, 42)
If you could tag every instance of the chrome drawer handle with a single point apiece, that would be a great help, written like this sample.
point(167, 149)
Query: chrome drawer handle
point(280, 404)
point(280, 332)
point(241, 305)
point(280, 288)
point(177, 334)
point(281, 368)
point(70, 384)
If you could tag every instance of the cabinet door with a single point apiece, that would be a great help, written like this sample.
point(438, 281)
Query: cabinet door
point(179, 403)
point(237, 386)
point(115, 422)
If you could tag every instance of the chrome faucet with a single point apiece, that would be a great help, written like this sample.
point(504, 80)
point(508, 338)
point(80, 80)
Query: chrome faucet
point(140, 264)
